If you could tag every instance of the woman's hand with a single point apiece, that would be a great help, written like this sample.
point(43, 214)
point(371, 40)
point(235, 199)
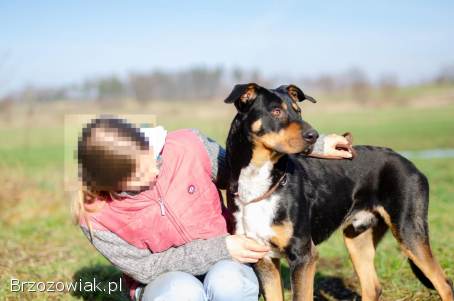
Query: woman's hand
point(245, 250)
point(337, 146)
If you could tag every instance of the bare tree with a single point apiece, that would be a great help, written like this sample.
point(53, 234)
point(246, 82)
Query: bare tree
point(141, 86)
point(326, 83)
point(446, 75)
point(7, 101)
point(237, 75)
point(110, 88)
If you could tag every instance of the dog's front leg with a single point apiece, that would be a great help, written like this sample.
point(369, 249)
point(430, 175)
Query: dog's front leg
point(268, 270)
point(302, 261)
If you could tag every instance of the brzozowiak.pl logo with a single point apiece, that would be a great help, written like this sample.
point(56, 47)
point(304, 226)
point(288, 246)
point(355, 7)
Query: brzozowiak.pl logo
point(93, 286)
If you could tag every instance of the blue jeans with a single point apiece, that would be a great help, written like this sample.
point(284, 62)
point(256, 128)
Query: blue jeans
point(227, 280)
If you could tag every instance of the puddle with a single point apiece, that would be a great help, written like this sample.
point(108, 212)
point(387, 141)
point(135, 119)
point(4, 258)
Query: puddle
point(429, 153)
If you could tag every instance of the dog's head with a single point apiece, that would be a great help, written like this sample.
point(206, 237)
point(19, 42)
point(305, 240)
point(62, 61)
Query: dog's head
point(272, 118)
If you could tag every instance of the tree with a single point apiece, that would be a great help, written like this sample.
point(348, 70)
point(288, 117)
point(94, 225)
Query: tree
point(388, 85)
point(141, 86)
point(110, 88)
point(446, 75)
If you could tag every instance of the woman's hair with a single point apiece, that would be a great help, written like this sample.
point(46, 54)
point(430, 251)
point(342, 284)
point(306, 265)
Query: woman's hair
point(106, 152)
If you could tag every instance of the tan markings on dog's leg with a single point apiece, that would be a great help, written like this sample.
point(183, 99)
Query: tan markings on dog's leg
point(277, 265)
point(256, 125)
point(387, 220)
point(284, 106)
point(362, 252)
point(422, 257)
point(270, 278)
point(303, 278)
point(283, 232)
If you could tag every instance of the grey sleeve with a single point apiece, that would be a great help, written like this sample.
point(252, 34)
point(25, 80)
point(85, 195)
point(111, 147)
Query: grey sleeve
point(319, 146)
point(219, 166)
point(195, 257)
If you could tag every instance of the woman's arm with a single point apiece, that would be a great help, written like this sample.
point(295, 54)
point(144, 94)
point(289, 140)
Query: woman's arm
point(216, 153)
point(331, 146)
point(195, 257)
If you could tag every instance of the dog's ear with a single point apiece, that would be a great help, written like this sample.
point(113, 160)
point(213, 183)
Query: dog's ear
point(296, 94)
point(245, 93)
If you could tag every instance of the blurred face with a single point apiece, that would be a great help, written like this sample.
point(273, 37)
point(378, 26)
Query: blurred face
point(145, 173)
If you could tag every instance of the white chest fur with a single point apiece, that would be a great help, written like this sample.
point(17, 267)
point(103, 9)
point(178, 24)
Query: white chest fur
point(255, 219)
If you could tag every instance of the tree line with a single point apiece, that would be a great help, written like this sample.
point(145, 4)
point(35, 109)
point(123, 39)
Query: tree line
point(204, 83)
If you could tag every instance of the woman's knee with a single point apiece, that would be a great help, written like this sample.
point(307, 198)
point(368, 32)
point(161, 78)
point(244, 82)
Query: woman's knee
point(174, 286)
point(231, 280)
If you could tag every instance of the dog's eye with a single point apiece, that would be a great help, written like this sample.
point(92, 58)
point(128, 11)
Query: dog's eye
point(276, 112)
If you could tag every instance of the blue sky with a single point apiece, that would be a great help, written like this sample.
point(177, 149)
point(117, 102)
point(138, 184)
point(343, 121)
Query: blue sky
point(58, 42)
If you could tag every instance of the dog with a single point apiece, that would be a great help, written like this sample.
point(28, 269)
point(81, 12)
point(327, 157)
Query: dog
point(292, 202)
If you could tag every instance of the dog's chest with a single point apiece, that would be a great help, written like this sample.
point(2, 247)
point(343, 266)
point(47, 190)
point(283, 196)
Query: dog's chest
point(256, 219)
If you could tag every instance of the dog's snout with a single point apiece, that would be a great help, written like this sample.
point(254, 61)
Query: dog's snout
point(310, 136)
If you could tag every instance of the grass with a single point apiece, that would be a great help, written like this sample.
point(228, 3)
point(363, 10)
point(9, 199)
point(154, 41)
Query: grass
point(40, 242)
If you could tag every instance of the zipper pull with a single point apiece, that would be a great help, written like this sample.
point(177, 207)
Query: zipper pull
point(163, 209)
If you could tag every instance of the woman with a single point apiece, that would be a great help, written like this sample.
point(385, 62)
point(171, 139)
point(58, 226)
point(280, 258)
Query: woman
point(151, 206)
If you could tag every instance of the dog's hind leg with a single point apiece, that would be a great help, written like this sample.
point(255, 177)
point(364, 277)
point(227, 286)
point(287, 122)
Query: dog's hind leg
point(268, 271)
point(302, 262)
point(420, 255)
point(361, 247)
point(411, 231)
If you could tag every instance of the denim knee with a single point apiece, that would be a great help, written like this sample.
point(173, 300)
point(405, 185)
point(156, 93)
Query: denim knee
point(175, 286)
point(231, 280)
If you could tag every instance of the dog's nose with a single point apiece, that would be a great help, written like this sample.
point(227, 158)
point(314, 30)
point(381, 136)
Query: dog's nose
point(310, 136)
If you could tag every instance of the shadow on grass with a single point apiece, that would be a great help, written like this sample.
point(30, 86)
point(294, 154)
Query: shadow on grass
point(101, 276)
point(327, 288)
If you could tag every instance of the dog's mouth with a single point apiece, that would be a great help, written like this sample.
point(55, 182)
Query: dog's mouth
point(308, 149)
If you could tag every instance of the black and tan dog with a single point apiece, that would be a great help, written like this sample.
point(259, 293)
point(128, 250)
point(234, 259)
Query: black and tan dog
point(293, 202)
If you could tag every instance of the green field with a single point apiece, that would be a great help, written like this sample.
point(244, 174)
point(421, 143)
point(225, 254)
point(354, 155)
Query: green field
point(39, 241)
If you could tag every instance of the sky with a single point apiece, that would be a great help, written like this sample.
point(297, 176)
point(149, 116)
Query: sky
point(60, 42)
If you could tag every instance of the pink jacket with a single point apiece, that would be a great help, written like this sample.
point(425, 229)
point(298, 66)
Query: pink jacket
point(184, 205)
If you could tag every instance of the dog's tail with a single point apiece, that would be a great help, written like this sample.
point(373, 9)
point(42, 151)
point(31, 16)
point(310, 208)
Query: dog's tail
point(420, 275)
